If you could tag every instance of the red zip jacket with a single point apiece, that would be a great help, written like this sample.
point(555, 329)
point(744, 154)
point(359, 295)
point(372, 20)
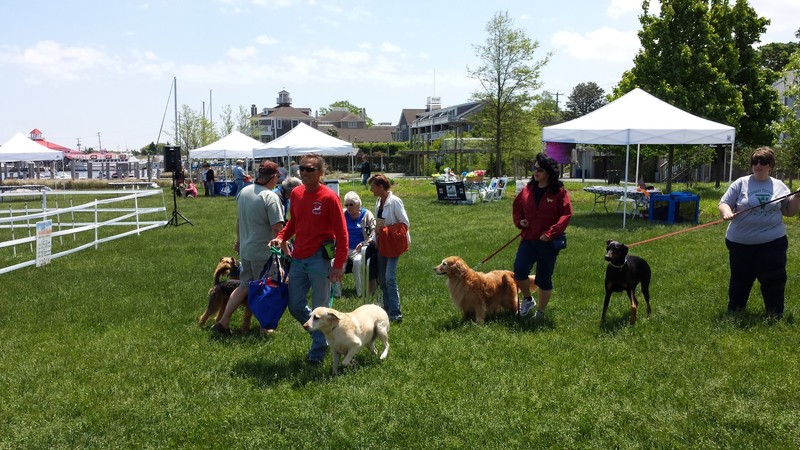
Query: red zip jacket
point(550, 218)
point(315, 218)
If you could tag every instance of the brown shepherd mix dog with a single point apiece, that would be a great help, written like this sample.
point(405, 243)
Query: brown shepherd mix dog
point(219, 294)
point(479, 294)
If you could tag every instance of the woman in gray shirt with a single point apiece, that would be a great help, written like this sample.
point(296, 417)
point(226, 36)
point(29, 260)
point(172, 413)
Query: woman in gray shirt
point(756, 239)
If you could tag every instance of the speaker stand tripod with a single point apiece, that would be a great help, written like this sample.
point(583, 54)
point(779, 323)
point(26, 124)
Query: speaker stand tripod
point(175, 214)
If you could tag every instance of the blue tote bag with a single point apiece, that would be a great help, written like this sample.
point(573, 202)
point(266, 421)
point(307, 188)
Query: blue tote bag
point(268, 298)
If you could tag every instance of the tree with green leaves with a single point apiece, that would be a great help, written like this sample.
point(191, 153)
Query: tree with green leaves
point(194, 130)
point(508, 75)
point(244, 123)
point(227, 124)
point(585, 98)
point(323, 111)
point(790, 123)
point(697, 55)
point(775, 55)
point(739, 27)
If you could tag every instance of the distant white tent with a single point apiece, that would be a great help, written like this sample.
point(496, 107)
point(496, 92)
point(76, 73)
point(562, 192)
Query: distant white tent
point(301, 140)
point(233, 146)
point(21, 148)
point(640, 118)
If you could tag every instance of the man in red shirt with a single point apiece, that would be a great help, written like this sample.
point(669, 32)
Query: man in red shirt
point(316, 219)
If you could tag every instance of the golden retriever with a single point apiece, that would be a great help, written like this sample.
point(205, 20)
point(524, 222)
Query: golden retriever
point(479, 294)
point(347, 333)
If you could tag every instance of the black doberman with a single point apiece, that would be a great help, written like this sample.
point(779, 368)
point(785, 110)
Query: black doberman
point(624, 273)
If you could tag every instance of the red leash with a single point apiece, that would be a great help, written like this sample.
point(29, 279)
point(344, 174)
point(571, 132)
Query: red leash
point(498, 250)
point(685, 230)
point(697, 227)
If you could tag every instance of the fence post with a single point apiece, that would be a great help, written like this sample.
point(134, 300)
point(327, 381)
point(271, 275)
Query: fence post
point(28, 223)
point(96, 227)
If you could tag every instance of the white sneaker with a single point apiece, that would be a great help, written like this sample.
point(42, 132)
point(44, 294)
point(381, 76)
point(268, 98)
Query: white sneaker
point(527, 305)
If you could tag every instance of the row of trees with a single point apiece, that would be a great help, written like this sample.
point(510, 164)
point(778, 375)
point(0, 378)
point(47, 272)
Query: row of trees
point(698, 55)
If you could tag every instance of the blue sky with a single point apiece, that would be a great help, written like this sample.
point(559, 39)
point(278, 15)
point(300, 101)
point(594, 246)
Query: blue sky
point(76, 68)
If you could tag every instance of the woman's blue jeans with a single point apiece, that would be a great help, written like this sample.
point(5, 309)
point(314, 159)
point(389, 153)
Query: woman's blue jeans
point(387, 277)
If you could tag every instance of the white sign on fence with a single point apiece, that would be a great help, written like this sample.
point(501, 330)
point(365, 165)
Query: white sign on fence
point(44, 230)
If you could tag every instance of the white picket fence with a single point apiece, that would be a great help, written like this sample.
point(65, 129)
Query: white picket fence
point(122, 210)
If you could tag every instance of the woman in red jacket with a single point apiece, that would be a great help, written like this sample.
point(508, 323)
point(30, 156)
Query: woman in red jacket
point(542, 211)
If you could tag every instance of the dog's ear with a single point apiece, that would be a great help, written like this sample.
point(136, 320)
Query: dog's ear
point(334, 315)
point(623, 249)
point(608, 242)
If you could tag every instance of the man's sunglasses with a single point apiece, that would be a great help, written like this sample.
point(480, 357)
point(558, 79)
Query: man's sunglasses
point(759, 160)
point(307, 169)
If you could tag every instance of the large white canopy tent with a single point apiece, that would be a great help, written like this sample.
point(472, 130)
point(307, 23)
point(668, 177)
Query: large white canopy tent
point(20, 148)
point(301, 140)
point(640, 118)
point(233, 146)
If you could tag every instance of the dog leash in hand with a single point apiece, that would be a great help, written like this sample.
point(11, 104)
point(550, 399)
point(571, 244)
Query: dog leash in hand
point(697, 227)
point(498, 250)
point(280, 254)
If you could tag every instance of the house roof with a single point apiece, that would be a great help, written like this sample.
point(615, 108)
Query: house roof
point(455, 111)
point(409, 115)
point(288, 112)
point(378, 133)
point(52, 145)
point(341, 116)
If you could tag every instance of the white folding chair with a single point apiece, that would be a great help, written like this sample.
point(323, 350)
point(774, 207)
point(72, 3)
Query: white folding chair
point(500, 189)
point(489, 191)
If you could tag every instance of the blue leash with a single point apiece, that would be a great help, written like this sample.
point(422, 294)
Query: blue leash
point(277, 251)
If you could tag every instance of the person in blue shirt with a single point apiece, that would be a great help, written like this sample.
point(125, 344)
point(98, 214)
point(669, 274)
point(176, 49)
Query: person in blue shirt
point(238, 175)
point(360, 230)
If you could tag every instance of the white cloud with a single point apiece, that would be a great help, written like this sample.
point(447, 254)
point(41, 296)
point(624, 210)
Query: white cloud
point(604, 44)
point(50, 59)
point(388, 47)
point(266, 40)
point(365, 45)
point(619, 8)
point(239, 54)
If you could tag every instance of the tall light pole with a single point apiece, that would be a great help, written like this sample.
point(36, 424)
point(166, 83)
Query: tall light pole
point(99, 144)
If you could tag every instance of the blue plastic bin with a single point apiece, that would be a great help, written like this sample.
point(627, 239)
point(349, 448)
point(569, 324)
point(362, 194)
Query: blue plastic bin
point(675, 208)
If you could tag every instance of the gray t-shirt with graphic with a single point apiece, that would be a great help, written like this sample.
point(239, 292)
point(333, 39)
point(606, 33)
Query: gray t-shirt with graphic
point(758, 225)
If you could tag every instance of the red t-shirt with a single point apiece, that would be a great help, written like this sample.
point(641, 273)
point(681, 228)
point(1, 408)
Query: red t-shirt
point(316, 217)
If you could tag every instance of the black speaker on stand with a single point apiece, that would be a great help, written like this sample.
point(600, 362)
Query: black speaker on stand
point(172, 163)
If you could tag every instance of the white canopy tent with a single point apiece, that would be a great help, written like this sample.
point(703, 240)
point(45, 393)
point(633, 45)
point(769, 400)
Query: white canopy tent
point(301, 140)
point(21, 148)
point(640, 118)
point(233, 146)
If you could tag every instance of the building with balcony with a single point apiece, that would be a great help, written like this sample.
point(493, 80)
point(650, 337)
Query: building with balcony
point(272, 123)
point(436, 122)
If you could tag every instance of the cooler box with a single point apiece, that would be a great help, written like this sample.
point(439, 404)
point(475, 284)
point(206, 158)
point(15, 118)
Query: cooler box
point(677, 207)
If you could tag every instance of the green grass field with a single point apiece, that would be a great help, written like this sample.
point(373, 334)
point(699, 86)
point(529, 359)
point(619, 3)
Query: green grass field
point(101, 349)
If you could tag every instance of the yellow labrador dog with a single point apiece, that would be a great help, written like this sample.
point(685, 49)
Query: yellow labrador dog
point(347, 333)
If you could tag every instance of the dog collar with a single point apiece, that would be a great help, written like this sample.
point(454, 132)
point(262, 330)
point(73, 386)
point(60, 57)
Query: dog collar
point(620, 266)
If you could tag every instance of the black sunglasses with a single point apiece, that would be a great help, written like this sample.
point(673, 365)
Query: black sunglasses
point(537, 169)
point(307, 169)
point(759, 160)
